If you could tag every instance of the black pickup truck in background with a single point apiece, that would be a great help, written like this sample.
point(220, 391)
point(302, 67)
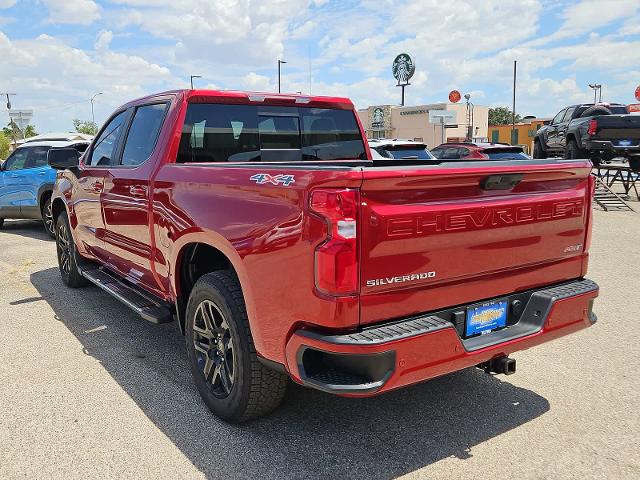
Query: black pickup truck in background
point(599, 132)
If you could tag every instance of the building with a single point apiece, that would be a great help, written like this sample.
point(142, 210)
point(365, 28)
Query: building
point(524, 133)
point(392, 121)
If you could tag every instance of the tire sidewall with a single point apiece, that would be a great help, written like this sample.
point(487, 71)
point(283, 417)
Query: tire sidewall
point(45, 207)
point(73, 278)
point(233, 406)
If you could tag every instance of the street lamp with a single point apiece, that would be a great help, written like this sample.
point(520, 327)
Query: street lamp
point(597, 89)
point(279, 63)
point(93, 117)
point(192, 77)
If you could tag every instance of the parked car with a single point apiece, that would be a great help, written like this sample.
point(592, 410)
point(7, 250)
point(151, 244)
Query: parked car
point(479, 151)
point(26, 181)
point(260, 223)
point(599, 132)
point(400, 149)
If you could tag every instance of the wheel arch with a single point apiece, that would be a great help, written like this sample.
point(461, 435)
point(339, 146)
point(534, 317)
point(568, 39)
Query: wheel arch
point(196, 256)
point(45, 190)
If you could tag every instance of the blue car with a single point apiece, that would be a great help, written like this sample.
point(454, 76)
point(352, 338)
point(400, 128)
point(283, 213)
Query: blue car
point(26, 181)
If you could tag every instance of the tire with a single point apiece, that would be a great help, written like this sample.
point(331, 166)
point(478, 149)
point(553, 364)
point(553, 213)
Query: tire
point(47, 218)
point(574, 151)
point(68, 254)
point(217, 335)
point(538, 151)
point(595, 110)
point(1, 222)
point(634, 163)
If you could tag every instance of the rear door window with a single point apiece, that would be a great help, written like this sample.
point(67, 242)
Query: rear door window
point(143, 134)
point(241, 133)
point(38, 157)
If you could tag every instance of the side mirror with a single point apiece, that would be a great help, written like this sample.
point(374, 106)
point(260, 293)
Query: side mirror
point(547, 122)
point(63, 158)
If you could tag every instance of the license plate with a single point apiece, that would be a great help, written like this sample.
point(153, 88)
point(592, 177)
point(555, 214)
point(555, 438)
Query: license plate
point(486, 318)
point(625, 143)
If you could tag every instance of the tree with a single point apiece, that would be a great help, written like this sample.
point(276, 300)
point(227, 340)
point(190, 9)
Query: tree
point(12, 131)
point(85, 126)
point(30, 131)
point(5, 143)
point(502, 116)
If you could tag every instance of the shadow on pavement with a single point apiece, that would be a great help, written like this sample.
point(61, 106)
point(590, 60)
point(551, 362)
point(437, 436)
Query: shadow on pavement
point(26, 228)
point(313, 433)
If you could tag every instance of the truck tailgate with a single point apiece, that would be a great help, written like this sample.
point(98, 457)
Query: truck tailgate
point(618, 127)
point(440, 236)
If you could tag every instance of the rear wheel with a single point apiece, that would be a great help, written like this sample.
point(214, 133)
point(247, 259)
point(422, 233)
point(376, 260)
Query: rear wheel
point(226, 370)
point(634, 163)
point(47, 218)
point(573, 151)
point(67, 254)
point(538, 151)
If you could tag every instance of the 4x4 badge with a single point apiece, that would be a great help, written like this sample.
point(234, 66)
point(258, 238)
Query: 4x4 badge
point(262, 178)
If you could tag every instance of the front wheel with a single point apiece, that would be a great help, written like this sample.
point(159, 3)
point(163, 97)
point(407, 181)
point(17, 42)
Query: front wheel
point(226, 370)
point(67, 254)
point(47, 218)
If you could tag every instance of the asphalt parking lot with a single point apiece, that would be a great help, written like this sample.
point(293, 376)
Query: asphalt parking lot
point(88, 389)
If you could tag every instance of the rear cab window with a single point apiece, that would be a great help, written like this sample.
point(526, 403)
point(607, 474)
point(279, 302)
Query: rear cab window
point(251, 133)
point(505, 154)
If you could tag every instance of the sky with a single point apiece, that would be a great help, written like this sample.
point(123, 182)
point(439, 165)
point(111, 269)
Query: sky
point(56, 54)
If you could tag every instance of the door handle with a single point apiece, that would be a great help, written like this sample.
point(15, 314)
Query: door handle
point(42, 174)
point(138, 191)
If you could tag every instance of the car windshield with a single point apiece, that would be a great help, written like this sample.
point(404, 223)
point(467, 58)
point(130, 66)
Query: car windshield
point(505, 154)
point(405, 152)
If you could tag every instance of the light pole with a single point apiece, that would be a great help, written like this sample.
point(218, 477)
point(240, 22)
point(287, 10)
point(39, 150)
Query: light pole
point(13, 133)
point(280, 62)
point(93, 117)
point(597, 88)
point(192, 77)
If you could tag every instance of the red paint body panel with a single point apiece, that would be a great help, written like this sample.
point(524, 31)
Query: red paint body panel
point(481, 244)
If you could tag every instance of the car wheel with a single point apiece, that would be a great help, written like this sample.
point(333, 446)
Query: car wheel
point(67, 254)
point(538, 151)
point(634, 163)
point(1, 222)
point(231, 380)
point(47, 218)
point(573, 151)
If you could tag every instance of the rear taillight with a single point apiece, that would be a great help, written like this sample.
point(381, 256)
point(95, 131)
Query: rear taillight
point(593, 127)
point(336, 260)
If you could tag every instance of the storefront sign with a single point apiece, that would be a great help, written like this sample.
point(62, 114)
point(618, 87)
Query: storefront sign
point(403, 68)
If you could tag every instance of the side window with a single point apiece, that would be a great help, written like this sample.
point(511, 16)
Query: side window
point(558, 118)
point(438, 152)
point(38, 157)
point(143, 133)
point(567, 116)
point(452, 153)
point(105, 146)
point(18, 160)
point(463, 152)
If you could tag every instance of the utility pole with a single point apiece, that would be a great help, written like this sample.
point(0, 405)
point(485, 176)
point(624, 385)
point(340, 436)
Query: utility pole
point(192, 77)
point(93, 117)
point(13, 133)
point(513, 109)
point(280, 62)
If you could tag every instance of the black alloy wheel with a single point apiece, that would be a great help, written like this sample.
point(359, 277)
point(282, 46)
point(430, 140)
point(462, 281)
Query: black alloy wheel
point(213, 343)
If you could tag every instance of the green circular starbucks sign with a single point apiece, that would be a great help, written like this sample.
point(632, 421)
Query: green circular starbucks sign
point(403, 68)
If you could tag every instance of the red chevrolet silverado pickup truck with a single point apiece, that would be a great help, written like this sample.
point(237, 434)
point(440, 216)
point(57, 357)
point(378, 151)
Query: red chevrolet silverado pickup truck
point(261, 224)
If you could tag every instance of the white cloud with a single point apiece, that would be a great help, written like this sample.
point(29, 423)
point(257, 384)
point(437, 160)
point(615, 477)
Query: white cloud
point(56, 80)
point(79, 12)
point(103, 40)
point(7, 3)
